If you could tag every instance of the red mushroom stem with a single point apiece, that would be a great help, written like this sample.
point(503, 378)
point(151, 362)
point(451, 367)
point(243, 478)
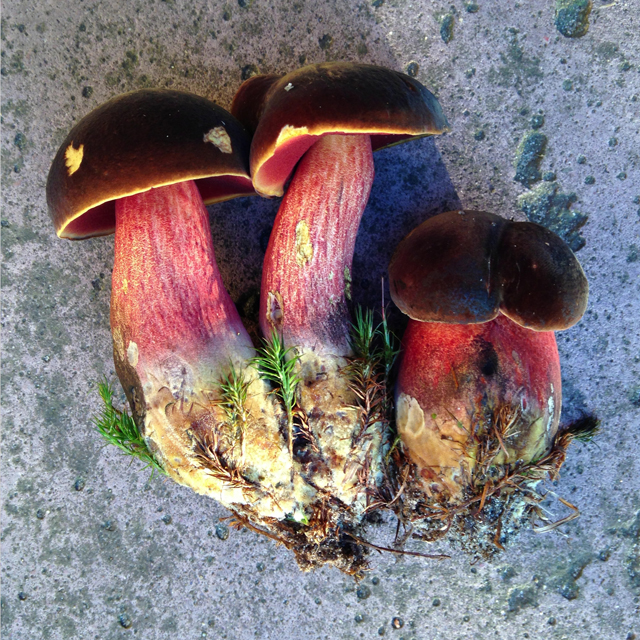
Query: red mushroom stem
point(307, 269)
point(461, 386)
point(168, 299)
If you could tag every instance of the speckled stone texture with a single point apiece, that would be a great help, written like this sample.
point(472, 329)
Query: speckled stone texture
point(93, 548)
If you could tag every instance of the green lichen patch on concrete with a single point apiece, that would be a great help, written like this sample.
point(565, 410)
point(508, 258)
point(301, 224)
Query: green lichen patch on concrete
point(572, 17)
point(520, 597)
point(529, 156)
point(446, 27)
point(565, 580)
point(548, 206)
point(517, 68)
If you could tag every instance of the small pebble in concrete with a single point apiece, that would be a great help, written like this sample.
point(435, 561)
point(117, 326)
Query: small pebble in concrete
point(436, 602)
point(572, 17)
point(381, 631)
point(472, 7)
point(167, 519)
point(325, 42)
point(506, 573)
point(581, 159)
point(125, 620)
point(359, 617)
point(537, 121)
point(622, 176)
point(397, 623)
point(79, 484)
point(567, 85)
point(377, 3)
point(40, 514)
point(87, 92)
point(363, 592)
point(446, 27)
point(551, 621)
point(20, 141)
point(625, 66)
point(109, 525)
point(589, 180)
point(375, 580)
point(613, 142)
point(636, 200)
point(412, 69)
point(22, 596)
point(222, 531)
point(466, 618)
point(249, 70)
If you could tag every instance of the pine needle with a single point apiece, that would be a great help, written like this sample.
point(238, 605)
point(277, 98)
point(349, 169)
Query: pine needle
point(277, 365)
point(119, 429)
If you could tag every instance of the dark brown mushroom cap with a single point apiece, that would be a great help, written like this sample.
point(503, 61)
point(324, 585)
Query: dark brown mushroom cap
point(465, 267)
point(138, 141)
point(335, 97)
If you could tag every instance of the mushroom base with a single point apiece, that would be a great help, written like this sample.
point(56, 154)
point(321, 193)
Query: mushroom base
point(491, 510)
point(477, 410)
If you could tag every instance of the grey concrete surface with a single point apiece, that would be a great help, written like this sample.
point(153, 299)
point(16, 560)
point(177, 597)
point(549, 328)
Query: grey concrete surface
point(91, 547)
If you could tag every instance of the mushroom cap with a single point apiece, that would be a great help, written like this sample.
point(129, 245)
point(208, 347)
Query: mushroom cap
point(290, 112)
point(466, 267)
point(137, 141)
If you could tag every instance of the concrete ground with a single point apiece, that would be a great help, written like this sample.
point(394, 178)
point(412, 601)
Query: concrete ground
point(93, 548)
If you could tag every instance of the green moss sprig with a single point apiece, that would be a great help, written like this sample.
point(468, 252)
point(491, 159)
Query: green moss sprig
point(119, 429)
point(277, 365)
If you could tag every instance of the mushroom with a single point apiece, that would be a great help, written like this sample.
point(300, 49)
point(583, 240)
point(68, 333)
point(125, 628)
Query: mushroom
point(478, 393)
point(141, 164)
point(328, 118)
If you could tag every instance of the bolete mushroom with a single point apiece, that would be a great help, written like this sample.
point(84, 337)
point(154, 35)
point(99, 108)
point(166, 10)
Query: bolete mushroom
point(478, 394)
point(141, 164)
point(328, 118)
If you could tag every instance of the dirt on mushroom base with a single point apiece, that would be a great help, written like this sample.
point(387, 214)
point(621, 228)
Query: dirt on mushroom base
point(498, 502)
point(233, 446)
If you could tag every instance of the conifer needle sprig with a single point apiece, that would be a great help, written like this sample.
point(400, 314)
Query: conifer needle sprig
point(277, 365)
point(119, 429)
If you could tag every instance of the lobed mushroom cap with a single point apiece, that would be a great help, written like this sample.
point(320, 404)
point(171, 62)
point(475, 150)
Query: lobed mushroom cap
point(137, 141)
point(466, 267)
point(290, 112)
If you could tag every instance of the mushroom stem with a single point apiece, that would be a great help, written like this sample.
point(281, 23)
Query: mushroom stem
point(176, 331)
point(475, 396)
point(306, 279)
point(168, 301)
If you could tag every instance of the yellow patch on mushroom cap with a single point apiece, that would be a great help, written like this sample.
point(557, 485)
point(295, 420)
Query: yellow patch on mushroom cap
point(289, 131)
point(73, 158)
point(304, 248)
point(219, 137)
